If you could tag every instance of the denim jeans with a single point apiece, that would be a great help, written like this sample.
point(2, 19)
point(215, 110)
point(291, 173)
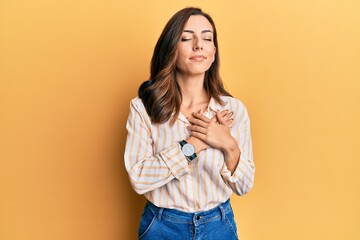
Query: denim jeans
point(162, 223)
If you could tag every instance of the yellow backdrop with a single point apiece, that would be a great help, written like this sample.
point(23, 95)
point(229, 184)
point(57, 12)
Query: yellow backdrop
point(68, 70)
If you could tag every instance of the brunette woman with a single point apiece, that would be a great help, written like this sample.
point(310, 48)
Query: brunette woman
point(189, 145)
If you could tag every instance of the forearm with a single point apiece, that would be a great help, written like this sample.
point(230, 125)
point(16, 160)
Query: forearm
point(232, 153)
point(152, 172)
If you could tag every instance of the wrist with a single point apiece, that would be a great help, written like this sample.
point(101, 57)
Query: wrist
point(232, 157)
point(231, 149)
point(198, 145)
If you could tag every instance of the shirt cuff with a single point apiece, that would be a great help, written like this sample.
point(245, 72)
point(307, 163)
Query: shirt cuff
point(233, 178)
point(175, 161)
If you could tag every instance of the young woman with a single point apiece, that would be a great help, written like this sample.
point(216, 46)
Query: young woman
point(188, 146)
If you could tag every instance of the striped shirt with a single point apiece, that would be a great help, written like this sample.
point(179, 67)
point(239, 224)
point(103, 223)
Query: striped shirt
point(158, 169)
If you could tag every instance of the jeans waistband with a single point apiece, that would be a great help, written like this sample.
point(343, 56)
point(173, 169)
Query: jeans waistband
point(192, 217)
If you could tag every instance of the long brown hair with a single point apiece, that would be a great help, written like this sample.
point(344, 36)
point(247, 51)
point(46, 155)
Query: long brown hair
point(161, 94)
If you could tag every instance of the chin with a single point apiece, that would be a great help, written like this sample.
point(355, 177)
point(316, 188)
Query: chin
point(194, 70)
point(198, 71)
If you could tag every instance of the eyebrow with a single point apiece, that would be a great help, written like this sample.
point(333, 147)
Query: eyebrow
point(203, 31)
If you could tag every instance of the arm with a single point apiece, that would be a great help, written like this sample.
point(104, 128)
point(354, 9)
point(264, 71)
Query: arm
point(148, 171)
point(238, 170)
point(241, 179)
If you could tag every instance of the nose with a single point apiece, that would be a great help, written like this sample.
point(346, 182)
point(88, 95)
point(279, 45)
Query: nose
point(198, 44)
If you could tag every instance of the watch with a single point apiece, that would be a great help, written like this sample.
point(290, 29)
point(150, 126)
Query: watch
point(188, 150)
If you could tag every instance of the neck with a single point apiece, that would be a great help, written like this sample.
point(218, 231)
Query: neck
point(192, 89)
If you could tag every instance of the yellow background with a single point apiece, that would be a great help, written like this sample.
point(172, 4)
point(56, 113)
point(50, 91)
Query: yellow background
point(68, 70)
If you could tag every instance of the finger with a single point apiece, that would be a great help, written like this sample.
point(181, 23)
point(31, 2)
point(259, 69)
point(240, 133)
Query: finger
point(189, 120)
point(229, 121)
point(230, 114)
point(213, 119)
point(201, 117)
point(223, 113)
point(200, 136)
point(220, 118)
point(196, 129)
point(199, 122)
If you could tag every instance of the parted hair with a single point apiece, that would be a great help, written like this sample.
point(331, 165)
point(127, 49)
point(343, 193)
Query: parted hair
point(161, 94)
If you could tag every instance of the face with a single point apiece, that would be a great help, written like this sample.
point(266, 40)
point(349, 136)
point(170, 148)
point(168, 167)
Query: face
point(196, 50)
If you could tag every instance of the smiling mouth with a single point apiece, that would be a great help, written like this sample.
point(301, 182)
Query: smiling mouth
point(198, 58)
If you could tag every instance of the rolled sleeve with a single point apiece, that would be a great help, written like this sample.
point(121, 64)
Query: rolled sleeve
point(175, 161)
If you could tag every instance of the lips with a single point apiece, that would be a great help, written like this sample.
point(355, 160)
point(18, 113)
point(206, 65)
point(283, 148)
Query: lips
point(198, 57)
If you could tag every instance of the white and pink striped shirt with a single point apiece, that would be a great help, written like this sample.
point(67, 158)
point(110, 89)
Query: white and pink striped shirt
point(158, 169)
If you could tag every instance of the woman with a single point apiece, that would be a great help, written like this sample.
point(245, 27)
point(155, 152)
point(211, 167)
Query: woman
point(188, 145)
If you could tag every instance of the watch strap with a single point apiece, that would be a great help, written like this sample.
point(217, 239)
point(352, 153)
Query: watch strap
point(192, 157)
point(182, 143)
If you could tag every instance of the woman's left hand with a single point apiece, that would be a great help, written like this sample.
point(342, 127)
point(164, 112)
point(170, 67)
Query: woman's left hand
point(217, 135)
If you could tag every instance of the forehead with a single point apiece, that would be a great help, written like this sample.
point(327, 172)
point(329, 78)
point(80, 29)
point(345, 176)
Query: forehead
point(198, 23)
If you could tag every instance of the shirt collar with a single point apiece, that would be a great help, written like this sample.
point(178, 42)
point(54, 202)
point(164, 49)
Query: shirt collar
point(214, 106)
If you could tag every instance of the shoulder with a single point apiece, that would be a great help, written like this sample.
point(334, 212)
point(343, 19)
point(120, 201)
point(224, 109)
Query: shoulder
point(237, 106)
point(137, 103)
point(136, 100)
point(138, 111)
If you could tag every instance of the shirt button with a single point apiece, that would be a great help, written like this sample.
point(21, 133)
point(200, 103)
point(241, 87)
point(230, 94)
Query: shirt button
point(198, 217)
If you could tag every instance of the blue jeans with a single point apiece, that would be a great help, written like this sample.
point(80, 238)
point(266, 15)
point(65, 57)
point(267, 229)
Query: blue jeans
point(163, 223)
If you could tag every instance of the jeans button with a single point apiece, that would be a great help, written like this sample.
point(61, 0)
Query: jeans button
point(198, 218)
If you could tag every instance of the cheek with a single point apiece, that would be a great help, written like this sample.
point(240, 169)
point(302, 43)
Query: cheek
point(181, 53)
point(180, 58)
point(212, 51)
point(213, 56)
point(183, 48)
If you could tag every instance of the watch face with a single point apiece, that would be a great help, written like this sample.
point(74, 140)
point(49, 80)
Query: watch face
point(188, 150)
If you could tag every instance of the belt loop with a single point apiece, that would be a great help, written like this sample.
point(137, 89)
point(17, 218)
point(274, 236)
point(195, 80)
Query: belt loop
point(160, 213)
point(222, 212)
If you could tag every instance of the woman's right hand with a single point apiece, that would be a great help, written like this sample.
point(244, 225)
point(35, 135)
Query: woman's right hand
point(201, 145)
